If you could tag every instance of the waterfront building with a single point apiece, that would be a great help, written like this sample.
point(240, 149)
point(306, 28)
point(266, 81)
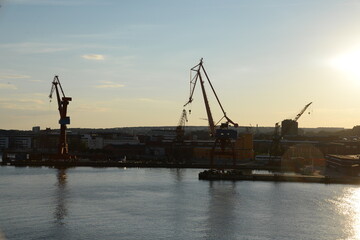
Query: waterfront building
point(4, 142)
point(344, 164)
point(20, 142)
point(93, 141)
point(289, 127)
point(243, 148)
point(36, 129)
point(100, 141)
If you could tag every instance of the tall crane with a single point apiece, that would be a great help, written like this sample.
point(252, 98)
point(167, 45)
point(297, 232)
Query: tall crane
point(198, 76)
point(63, 103)
point(223, 136)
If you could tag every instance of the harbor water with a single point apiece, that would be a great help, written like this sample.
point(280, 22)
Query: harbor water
point(146, 203)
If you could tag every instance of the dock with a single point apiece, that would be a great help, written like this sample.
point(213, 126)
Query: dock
point(236, 175)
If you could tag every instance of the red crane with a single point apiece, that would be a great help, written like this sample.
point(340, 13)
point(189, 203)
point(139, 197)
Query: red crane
point(223, 136)
point(63, 102)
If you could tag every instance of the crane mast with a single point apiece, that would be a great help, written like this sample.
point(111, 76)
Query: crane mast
point(63, 103)
point(193, 82)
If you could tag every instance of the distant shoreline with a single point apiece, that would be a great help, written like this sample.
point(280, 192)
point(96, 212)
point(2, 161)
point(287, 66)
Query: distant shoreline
point(65, 164)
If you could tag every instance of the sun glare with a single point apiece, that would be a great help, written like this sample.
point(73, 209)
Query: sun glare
point(349, 206)
point(348, 62)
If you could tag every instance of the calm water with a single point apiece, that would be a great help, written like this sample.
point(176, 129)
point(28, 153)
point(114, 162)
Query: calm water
point(113, 203)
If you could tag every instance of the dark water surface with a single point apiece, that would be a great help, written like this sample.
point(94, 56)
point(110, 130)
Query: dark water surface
point(114, 203)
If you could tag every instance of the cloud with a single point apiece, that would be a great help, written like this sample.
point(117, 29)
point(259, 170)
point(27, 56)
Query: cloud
point(32, 101)
point(36, 47)
point(56, 2)
point(152, 101)
point(22, 104)
point(23, 101)
point(87, 108)
point(14, 76)
point(108, 84)
point(97, 57)
point(51, 47)
point(147, 100)
point(40, 95)
point(7, 86)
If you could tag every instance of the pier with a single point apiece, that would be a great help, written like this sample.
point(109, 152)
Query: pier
point(237, 175)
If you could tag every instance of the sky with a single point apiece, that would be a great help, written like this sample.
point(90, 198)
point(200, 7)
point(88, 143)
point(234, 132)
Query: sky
point(127, 63)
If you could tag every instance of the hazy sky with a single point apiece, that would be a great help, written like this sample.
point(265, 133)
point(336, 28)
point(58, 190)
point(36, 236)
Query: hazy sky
point(127, 63)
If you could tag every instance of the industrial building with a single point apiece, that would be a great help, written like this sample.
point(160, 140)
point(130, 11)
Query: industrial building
point(348, 165)
point(243, 150)
point(4, 142)
point(289, 127)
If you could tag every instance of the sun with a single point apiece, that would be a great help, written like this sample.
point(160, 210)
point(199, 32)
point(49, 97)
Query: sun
point(348, 62)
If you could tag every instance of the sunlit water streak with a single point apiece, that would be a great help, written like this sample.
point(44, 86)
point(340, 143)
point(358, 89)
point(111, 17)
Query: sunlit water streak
point(114, 203)
point(348, 205)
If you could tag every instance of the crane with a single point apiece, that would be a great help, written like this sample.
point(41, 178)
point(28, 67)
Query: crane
point(63, 103)
point(223, 136)
point(290, 126)
point(180, 129)
point(287, 124)
point(198, 76)
point(302, 111)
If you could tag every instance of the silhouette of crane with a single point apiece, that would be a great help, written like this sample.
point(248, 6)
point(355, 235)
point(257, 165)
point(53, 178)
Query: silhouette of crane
point(275, 147)
point(198, 76)
point(222, 135)
point(180, 129)
point(63, 102)
point(302, 111)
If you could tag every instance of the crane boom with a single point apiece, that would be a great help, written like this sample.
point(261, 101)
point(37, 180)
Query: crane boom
point(63, 103)
point(302, 111)
point(193, 82)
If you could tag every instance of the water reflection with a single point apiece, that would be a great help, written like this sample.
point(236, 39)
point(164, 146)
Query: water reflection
point(178, 205)
point(178, 174)
point(221, 211)
point(2, 236)
point(61, 196)
point(349, 206)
